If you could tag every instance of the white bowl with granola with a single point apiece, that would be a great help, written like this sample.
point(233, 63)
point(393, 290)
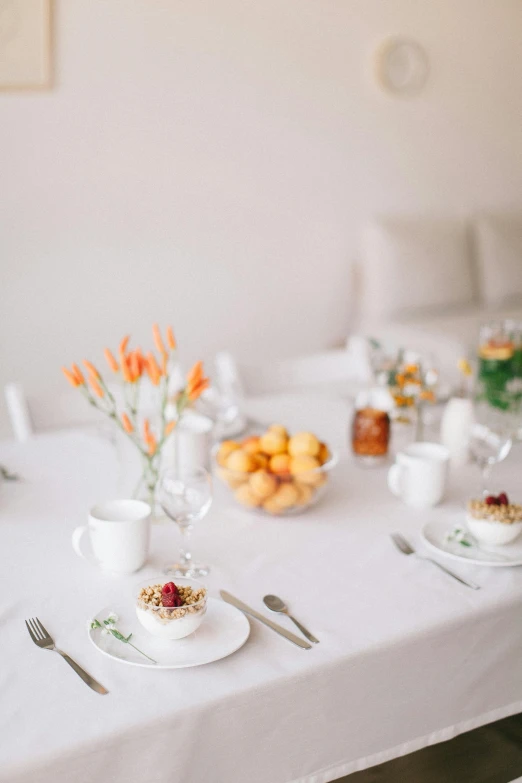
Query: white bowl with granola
point(494, 520)
point(171, 610)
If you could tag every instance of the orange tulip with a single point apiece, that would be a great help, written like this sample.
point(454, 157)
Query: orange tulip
point(141, 360)
point(158, 342)
point(169, 428)
point(171, 340)
point(124, 343)
point(78, 373)
point(92, 369)
point(147, 434)
point(196, 391)
point(125, 369)
point(95, 386)
point(111, 361)
point(153, 369)
point(127, 424)
point(73, 380)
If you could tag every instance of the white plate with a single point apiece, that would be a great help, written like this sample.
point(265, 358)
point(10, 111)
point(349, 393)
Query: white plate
point(433, 535)
point(223, 631)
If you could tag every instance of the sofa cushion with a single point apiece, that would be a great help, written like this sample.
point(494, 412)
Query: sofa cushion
point(498, 242)
point(415, 267)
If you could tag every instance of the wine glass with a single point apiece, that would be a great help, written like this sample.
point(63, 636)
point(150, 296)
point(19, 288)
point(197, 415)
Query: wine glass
point(186, 496)
point(491, 437)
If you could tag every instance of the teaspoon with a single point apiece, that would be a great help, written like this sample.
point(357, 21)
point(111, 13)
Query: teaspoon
point(275, 604)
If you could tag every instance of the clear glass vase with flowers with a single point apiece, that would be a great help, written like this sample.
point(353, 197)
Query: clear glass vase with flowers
point(134, 369)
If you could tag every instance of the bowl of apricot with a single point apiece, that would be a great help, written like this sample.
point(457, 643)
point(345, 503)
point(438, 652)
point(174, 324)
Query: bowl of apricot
point(274, 472)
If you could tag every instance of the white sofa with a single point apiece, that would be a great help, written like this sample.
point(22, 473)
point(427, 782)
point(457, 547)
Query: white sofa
point(429, 284)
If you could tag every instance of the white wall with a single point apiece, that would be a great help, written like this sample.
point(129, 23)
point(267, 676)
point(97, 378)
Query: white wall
point(210, 162)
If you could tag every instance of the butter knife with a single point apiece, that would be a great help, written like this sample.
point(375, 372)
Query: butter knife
point(230, 599)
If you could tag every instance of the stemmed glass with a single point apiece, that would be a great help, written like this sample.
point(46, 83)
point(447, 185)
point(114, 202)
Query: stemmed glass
point(491, 438)
point(186, 497)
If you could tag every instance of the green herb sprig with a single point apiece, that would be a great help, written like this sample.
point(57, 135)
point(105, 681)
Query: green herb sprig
point(108, 627)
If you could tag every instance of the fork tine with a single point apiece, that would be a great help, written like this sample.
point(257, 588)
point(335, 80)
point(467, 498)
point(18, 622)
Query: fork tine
point(31, 634)
point(42, 629)
point(35, 628)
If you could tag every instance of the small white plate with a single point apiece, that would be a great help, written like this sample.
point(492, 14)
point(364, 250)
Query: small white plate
point(223, 631)
point(434, 535)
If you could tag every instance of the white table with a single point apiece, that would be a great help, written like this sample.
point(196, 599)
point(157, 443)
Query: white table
point(407, 656)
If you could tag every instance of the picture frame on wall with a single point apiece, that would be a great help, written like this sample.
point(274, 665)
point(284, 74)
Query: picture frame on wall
point(25, 44)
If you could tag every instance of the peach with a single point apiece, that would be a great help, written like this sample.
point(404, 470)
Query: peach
point(305, 494)
point(279, 430)
point(285, 497)
point(246, 497)
point(251, 445)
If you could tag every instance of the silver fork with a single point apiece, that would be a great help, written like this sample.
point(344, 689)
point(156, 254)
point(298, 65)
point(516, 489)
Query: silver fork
point(406, 548)
point(43, 639)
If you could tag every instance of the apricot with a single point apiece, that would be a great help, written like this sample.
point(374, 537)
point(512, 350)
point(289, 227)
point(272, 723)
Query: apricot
point(306, 469)
point(323, 455)
point(262, 484)
point(285, 497)
point(279, 430)
point(304, 443)
point(240, 462)
point(305, 494)
point(251, 445)
point(280, 464)
point(226, 448)
point(246, 497)
point(273, 443)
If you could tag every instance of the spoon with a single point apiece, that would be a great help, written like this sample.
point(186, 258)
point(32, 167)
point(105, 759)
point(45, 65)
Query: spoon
point(276, 605)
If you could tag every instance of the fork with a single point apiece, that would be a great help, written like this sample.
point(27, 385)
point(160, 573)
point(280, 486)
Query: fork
point(406, 548)
point(43, 639)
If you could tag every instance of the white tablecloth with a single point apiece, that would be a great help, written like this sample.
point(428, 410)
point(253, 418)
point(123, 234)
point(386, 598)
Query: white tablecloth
point(407, 656)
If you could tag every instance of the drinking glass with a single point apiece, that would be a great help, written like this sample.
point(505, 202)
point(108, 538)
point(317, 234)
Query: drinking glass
point(186, 497)
point(492, 436)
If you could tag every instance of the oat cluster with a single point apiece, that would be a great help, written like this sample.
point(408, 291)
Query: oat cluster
point(149, 598)
point(505, 513)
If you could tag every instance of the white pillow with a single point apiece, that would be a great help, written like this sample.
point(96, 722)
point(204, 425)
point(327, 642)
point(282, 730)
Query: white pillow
point(415, 266)
point(499, 254)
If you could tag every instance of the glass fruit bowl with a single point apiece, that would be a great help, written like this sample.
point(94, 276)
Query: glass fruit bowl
point(170, 622)
point(280, 484)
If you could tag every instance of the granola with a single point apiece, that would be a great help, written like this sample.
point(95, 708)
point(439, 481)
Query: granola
point(149, 599)
point(507, 513)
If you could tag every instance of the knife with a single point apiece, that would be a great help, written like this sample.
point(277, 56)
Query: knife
point(230, 599)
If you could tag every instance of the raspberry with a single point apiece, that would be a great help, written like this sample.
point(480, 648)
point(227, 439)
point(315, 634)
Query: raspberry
point(491, 500)
point(169, 589)
point(502, 499)
point(171, 599)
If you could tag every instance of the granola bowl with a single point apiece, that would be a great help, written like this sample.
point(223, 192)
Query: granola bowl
point(171, 622)
point(495, 525)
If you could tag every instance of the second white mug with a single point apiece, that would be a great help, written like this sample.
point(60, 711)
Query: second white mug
point(420, 474)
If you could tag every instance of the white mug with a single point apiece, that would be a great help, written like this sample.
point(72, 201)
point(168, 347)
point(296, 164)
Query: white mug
point(419, 475)
point(119, 532)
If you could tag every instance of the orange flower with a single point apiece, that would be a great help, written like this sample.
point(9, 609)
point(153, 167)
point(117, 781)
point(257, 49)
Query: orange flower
point(153, 369)
point(428, 395)
point(127, 424)
point(125, 369)
point(196, 391)
point(134, 365)
point(151, 443)
point(147, 434)
point(71, 377)
point(400, 379)
point(111, 361)
point(92, 369)
point(411, 369)
point(95, 386)
point(158, 342)
point(195, 374)
point(171, 340)
point(124, 343)
point(78, 373)
point(170, 426)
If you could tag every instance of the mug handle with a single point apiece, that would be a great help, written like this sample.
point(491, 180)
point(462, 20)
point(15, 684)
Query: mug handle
point(395, 474)
point(76, 541)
